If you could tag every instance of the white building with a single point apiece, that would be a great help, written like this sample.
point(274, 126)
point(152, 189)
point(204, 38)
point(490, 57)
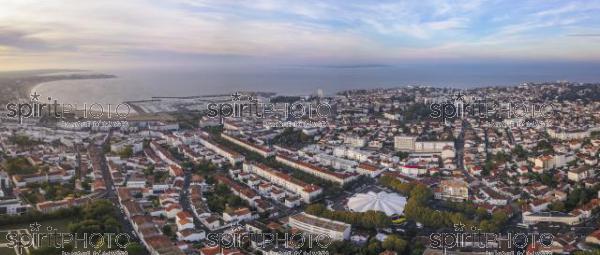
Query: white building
point(136, 181)
point(448, 152)
point(184, 220)
point(432, 146)
point(189, 235)
point(12, 206)
point(368, 170)
point(352, 153)
point(335, 230)
point(355, 141)
point(53, 176)
point(263, 151)
point(410, 144)
point(452, 190)
point(393, 116)
point(337, 177)
point(304, 190)
point(579, 174)
point(238, 215)
point(404, 143)
point(413, 170)
point(231, 155)
point(136, 145)
point(570, 134)
point(335, 162)
point(292, 202)
point(547, 217)
point(4, 179)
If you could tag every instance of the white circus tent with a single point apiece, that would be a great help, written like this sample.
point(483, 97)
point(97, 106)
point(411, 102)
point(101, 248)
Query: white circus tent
point(389, 203)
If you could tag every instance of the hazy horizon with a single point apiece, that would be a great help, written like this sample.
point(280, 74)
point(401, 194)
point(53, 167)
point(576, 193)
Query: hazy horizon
point(143, 84)
point(198, 46)
point(179, 33)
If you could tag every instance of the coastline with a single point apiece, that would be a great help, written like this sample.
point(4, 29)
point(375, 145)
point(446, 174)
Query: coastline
point(34, 87)
point(29, 87)
point(20, 88)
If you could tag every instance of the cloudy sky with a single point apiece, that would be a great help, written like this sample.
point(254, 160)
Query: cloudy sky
point(88, 34)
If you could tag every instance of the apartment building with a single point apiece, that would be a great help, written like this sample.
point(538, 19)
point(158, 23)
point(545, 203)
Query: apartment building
point(307, 191)
point(337, 177)
point(579, 173)
point(452, 190)
point(548, 217)
point(410, 144)
point(55, 175)
point(261, 150)
point(335, 230)
point(231, 155)
point(368, 169)
point(404, 143)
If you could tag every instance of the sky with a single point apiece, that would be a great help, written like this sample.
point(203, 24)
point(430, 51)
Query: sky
point(128, 33)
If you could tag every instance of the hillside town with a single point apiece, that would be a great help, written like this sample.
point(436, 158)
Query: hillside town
point(380, 173)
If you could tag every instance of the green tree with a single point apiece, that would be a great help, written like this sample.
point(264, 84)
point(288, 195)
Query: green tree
point(592, 252)
point(315, 209)
point(520, 152)
point(501, 157)
point(126, 152)
point(19, 165)
point(149, 170)
point(368, 220)
point(395, 243)
point(292, 138)
point(374, 247)
point(395, 184)
point(558, 206)
point(402, 155)
point(135, 249)
point(421, 193)
point(166, 229)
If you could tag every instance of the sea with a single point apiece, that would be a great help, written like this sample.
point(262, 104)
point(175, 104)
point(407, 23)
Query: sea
point(145, 83)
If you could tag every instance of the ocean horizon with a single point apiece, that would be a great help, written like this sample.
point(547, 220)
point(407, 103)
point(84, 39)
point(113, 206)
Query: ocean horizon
point(141, 84)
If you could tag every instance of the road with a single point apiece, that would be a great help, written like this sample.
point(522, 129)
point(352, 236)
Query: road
point(184, 199)
point(97, 157)
point(460, 147)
